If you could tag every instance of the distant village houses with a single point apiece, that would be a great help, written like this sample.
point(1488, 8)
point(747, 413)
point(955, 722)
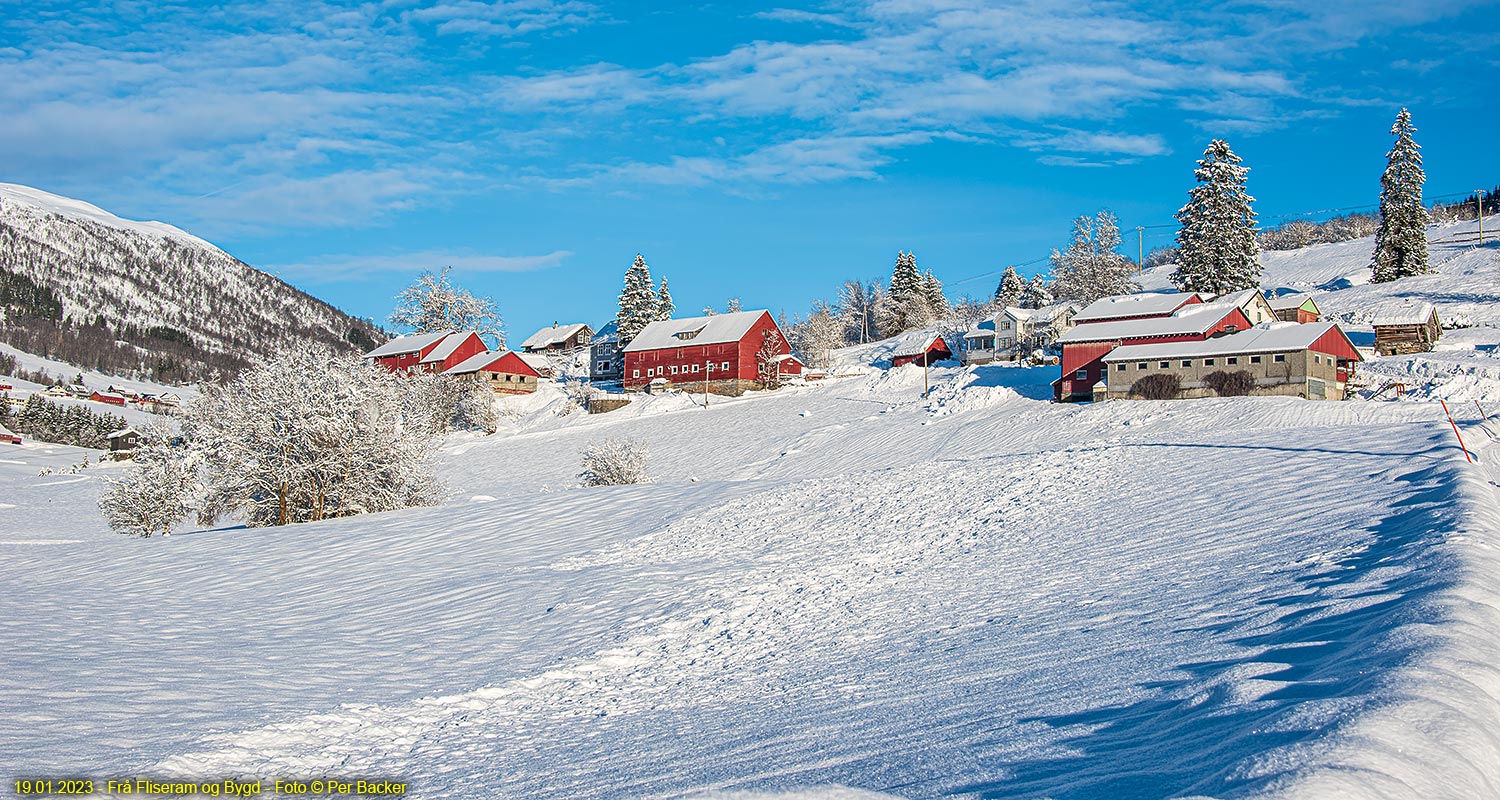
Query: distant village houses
point(1016, 332)
point(559, 339)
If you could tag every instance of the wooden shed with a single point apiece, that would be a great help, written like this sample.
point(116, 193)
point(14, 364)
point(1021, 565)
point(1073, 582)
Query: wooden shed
point(1408, 328)
point(1295, 308)
point(922, 348)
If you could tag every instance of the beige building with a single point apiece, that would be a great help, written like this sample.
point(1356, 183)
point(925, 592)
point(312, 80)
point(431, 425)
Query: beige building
point(1313, 361)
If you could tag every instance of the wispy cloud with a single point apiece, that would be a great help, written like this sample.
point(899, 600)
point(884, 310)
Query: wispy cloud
point(333, 268)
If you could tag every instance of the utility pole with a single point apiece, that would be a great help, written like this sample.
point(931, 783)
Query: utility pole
point(1479, 204)
point(1140, 249)
point(706, 365)
point(926, 359)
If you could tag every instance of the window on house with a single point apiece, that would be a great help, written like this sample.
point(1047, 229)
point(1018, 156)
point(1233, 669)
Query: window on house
point(1164, 364)
point(1254, 359)
point(1119, 368)
point(1141, 365)
point(674, 369)
point(1081, 375)
point(637, 374)
point(1187, 362)
point(1231, 360)
point(1279, 357)
point(710, 366)
point(724, 366)
point(1208, 362)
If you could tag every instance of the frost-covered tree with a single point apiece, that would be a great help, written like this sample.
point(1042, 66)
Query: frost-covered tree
point(1091, 267)
point(932, 293)
point(1008, 293)
point(1036, 294)
point(912, 299)
point(664, 306)
point(308, 436)
point(158, 493)
point(1401, 241)
point(615, 462)
point(432, 303)
point(1217, 242)
point(637, 301)
point(732, 306)
point(856, 309)
point(768, 359)
point(819, 335)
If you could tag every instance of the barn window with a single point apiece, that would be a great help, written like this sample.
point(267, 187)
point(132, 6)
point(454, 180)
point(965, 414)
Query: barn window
point(1142, 365)
point(1279, 357)
point(674, 369)
point(710, 366)
point(695, 367)
point(1164, 364)
point(725, 365)
point(1231, 361)
point(1208, 362)
point(1254, 359)
point(637, 374)
point(1119, 368)
point(1187, 362)
point(1081, 375)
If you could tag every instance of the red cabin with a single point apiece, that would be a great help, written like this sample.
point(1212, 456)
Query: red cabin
point(106, 397)
point(427, 352)
point(923, 349)
point(720, 350)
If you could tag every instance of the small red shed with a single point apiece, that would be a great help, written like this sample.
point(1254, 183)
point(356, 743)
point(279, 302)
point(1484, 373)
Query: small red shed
point(923, 348)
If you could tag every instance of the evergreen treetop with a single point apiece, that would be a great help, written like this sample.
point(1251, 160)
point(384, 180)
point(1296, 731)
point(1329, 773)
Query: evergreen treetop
point(1401, 240)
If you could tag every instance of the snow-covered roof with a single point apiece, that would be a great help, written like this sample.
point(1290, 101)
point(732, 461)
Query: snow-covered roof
point(402, 345)
point(1133, 305)
point(474, 363)
point(536, 361)
point(1269, 337)
point(1286, 302)
point(109, 395)
point(1406, 313)
point(716, 329)
point(446, 347)
point(915, 343)
point(123, 432)
point(556, 334)
point(1241, 298)
point(1196, 318)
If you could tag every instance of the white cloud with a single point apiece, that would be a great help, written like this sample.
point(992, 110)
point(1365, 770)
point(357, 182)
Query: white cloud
point(333, 268)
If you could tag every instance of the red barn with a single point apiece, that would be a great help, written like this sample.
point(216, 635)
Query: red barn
point(1135, 306)
point(1084, 347)
point(106, 397)
point(427, 352)
point(718, 350)
point(923, 348)
point(506, 373)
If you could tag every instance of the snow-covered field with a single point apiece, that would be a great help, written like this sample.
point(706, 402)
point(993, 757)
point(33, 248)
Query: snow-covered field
point(834, 585)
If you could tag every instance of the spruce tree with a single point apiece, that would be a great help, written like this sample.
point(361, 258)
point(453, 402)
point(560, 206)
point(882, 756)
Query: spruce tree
point(664, 307)
point(932, 293)
point(1036, 293)
point(909, 297)
point(1217, 242)
point(1008, 293)
point(637, 301)
point(1401, 241)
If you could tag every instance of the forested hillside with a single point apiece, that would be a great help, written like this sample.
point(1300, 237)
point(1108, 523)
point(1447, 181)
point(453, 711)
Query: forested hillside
point(145, 299)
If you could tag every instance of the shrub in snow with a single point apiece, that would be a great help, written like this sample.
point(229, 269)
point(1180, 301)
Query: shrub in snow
point(1159, 386)
point(439, 404)
point(615, 462)
point(307, 436)
point(156, 494)
point(1230, 384)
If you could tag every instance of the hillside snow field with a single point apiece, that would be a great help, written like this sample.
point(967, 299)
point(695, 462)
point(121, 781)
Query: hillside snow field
point(838, 585)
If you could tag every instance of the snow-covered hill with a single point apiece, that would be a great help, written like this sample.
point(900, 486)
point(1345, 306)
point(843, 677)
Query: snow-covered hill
point(169, 294)
point(833, 584)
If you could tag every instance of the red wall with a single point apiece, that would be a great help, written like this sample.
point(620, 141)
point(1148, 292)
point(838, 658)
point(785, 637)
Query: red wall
point(740, 355)
point(472, 346)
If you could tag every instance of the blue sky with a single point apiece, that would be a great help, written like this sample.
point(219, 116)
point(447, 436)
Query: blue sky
point(763, 152)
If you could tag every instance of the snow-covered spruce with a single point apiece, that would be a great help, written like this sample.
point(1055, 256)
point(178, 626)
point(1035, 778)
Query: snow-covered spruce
point(1008, 293)
point(432, 303)
point(1090, 268)
point(615, 462)
point(638, 301)
point(1036, 294)
point(664, 305)
point(913, 299)
point(1217, 242)
point(1401, 241)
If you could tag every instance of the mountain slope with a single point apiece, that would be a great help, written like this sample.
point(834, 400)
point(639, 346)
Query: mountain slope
point(145, 298)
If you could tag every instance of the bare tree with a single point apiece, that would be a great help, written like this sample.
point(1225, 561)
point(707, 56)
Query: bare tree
point(432, 303)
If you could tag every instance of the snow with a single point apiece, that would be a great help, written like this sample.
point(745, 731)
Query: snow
point(68, 207)
point(446, 347)
point(1405, 312)
point(410, 343)
point(1149, 304)
point(546, 337)
point(839, 589)
point(714, 329)
point(1192, 319)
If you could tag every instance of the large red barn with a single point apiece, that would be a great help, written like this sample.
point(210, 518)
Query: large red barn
point(427, 352)
point(1085, 346)
point(718, 350)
